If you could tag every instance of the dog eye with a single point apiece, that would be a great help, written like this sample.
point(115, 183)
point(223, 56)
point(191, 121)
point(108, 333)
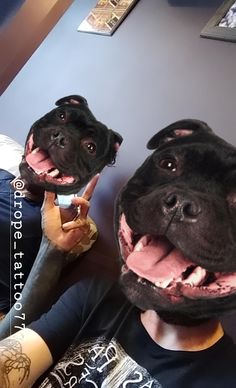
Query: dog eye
point(61, 115)
point(89, 146)
point(168, 164)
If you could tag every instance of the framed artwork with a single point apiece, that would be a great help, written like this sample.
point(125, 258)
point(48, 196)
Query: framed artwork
point(106, 16)
point(222, 25)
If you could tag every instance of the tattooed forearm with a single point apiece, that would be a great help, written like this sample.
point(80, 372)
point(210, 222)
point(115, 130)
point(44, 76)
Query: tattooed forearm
point(14, 364)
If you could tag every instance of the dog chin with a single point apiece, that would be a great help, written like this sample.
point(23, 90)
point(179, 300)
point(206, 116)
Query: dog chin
point(186, 312)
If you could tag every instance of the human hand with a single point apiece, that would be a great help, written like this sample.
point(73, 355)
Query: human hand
point(67, 230)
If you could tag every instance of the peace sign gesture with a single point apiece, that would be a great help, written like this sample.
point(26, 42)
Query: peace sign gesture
point(69, 229)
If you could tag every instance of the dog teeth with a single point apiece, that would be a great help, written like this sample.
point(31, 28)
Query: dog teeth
point(143, 242)
point(35, 150)
point(163, 283)
point(54, 173)
point(197, 277)
point(138, 247)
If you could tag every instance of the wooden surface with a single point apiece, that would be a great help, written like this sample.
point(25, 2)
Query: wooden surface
point(24, 33)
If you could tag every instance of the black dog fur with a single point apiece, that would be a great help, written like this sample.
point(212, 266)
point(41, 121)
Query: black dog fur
point(67, 147)
point(176, 226)
point(63, 151)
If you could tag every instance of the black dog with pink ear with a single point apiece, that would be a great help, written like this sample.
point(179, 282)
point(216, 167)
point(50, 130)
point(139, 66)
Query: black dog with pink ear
point(182, 128)
point(64, 150)
point(176, 226)
point(67, 147)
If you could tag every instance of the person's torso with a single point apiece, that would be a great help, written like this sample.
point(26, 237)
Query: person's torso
point(114, 350)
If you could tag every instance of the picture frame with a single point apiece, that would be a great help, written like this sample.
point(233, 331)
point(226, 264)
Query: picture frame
point(106, 16)
point(221, 26)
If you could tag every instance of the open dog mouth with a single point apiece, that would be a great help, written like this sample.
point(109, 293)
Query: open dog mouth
point(156, 261)
point(40, 162)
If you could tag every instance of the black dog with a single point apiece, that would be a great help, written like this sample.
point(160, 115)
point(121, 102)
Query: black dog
point(176, 226)
point(67, 147)
point(63, 151)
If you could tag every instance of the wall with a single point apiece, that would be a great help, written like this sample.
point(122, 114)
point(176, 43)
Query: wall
point(154, 70)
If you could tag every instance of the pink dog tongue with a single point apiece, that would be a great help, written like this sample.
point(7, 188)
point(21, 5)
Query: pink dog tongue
point(39, 161)
point(157, 261)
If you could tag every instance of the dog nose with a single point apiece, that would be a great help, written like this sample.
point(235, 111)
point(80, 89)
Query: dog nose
point(59, 139)
point(181, 207)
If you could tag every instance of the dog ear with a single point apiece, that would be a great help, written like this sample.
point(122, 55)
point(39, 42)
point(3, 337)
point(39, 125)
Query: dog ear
point(180, 128)
point(73, 99)
point(115, 142)
point(117, 139)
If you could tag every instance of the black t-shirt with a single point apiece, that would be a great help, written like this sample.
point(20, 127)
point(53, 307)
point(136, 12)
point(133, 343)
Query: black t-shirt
point(97, 339)
point(20, 227)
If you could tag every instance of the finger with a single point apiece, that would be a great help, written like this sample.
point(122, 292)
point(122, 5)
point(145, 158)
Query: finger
point(88, 192)
point(77, 224)
point(78, 201)
point(83, 205)
point(49, 199)
point(84, 208)
point(73, 238)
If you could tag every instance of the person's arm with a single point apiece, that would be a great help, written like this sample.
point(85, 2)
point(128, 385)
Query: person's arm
point(63, 240)
point(27, 354)
point(24, 356)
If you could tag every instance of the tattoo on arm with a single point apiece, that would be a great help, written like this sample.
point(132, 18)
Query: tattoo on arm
point(13, 360)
